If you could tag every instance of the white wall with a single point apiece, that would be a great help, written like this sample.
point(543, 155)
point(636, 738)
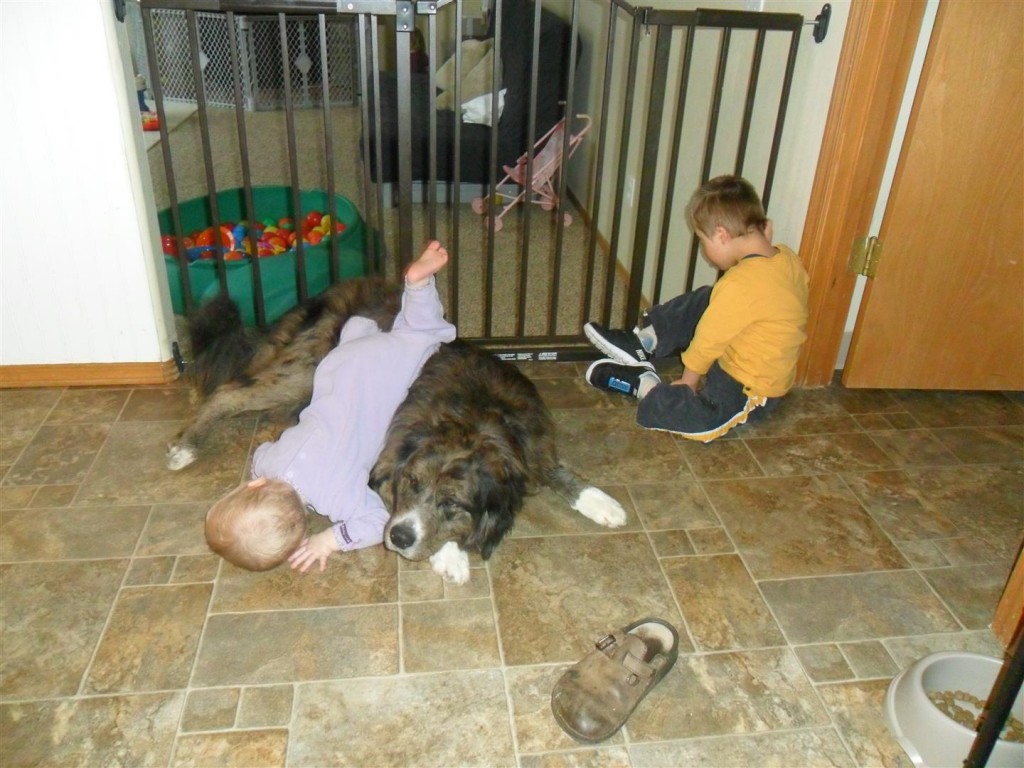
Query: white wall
point(80, 281)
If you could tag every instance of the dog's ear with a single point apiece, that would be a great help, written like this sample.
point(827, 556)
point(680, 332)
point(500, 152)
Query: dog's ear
point(500, 494)
point(382, 476)
point(396, 452)
point(488, 532)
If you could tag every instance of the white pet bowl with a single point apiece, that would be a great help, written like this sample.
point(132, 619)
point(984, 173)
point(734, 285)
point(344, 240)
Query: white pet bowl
point(930, 737)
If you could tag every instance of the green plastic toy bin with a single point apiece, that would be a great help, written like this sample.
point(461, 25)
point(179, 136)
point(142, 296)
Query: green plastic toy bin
point(278, 273)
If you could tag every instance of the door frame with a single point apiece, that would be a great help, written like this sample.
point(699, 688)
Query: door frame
point(878, 45)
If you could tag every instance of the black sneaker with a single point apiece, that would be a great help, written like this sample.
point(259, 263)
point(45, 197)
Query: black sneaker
point(621, 346)
point(617, 377)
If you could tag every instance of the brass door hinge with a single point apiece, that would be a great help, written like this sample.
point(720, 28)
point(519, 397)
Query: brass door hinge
point(864, 256)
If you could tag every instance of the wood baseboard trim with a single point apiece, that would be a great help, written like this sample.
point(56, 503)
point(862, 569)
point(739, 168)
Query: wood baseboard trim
point(87, 374)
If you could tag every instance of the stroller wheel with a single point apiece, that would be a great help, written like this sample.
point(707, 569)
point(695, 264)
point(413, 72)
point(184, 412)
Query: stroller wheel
point(547, 205)
point(498, 223)
point(479, 206)
point(567, 219)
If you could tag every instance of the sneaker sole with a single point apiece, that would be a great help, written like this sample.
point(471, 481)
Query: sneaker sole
point(590, 368)
point(612, 351)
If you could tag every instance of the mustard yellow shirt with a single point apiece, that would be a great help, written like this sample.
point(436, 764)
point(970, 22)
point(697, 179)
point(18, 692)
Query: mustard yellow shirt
point(755, 323)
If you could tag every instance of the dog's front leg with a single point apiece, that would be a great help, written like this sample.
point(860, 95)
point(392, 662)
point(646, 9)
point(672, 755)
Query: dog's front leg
point(589, 501)
point(451, 563)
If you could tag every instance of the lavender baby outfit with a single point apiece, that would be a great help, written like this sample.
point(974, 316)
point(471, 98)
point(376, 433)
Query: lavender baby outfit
point(357, 387)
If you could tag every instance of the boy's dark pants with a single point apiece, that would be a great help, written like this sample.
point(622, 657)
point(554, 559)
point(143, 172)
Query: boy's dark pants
point(679, 408)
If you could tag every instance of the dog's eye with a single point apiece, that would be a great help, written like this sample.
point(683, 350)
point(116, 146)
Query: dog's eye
point(414, 484)
point(450, 511)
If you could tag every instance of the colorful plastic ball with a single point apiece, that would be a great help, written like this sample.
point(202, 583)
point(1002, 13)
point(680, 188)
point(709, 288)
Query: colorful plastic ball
point(313, 218)
point(169, 245)
point(285, 223)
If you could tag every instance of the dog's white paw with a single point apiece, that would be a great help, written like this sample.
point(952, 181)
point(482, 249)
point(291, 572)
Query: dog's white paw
point(180, 456)
point(598, 506)
point(451, 563)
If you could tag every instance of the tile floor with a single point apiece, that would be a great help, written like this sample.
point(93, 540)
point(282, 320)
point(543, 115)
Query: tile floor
point(805, 562)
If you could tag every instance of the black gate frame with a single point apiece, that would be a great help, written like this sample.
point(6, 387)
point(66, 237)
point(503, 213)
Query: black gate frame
point(643, 21)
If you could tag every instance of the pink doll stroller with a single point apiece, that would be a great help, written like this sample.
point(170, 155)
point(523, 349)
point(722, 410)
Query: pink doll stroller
point(546, 162)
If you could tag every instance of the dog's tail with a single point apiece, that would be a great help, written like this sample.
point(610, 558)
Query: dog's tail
point(221, 346)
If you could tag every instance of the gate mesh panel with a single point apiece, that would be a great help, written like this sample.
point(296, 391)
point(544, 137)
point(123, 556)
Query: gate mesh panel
point(259, 57)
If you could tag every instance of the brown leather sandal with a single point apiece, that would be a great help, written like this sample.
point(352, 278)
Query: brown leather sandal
point(595, 697)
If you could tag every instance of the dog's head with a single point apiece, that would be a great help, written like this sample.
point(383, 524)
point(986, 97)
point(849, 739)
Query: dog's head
point(449, 482)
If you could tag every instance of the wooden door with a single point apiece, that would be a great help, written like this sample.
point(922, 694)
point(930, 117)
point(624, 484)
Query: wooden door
point(946, 308)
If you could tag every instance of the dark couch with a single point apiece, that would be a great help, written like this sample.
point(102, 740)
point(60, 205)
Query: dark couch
point(513, 129)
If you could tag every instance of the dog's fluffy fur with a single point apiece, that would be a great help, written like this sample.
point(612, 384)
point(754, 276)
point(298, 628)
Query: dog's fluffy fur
point(235, 370)
point(470, 441)
point(472, 438)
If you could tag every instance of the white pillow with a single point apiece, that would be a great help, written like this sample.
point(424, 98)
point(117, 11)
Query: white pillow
point(472, 52)
point(478, 110)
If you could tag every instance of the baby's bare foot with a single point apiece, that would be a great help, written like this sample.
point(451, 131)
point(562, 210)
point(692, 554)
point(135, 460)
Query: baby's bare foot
point(431, 261)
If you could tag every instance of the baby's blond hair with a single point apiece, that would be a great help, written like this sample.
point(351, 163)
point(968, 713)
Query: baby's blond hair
point(730, 202)
point(257, 525)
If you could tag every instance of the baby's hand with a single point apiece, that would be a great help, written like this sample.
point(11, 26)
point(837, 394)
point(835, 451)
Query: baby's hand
point(316, 547)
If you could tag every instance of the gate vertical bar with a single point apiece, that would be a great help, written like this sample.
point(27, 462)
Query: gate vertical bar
point(453, 281)
point(432, 122)
point(748, 107)
point(165, 150)
point(332, 204)
point(620, 179)
point(709, 142)
point(648, 168)
point(370, 81)
point(569, 115)
point(673, 170)
point(204, 130)
point(595, 216)
point(531, 137)
point(293, 156)
point(243, 155)
point(492, 179)
point(787, 84)
point(403, 31)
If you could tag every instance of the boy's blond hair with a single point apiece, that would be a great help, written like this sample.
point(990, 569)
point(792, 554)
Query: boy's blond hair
point(257, 525)
point(730, 202)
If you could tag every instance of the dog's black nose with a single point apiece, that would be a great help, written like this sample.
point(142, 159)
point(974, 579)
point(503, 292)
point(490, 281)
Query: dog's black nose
point(402, 536)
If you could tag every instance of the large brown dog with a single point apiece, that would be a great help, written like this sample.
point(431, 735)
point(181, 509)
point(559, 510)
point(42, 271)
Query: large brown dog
point(470, 441)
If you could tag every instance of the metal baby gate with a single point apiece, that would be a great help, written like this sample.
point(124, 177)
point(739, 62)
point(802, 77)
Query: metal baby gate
point(675, 97)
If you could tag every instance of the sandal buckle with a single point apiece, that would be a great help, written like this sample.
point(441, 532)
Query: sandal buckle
point(605, 642)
